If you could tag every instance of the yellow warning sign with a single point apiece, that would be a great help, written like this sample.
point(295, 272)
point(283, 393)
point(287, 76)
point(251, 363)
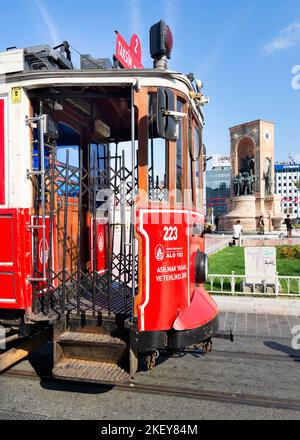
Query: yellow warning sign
point(16, 95)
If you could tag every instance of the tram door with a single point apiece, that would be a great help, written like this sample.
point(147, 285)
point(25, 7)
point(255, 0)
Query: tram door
point(163, 221)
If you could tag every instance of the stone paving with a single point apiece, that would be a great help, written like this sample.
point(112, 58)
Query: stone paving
point(276, 326)
point(263, 306)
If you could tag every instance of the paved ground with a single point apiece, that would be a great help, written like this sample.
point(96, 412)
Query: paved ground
point(251, 324)
point(258, 306)
point(226, 369)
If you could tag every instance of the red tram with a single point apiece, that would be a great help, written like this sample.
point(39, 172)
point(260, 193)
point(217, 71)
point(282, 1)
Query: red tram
point(101, 208)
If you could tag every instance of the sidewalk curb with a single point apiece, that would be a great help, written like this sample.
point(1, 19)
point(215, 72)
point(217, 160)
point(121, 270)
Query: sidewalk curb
point(260, 306)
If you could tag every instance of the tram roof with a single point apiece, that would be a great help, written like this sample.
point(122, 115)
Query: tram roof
point(113, 76)
point(14, 66)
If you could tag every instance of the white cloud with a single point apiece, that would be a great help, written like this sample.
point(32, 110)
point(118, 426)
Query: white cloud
point(170, 12)
point(288, 37)
point(135, 16)
point(50, 25)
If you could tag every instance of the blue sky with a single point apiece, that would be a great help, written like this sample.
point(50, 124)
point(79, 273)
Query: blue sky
point(244, 51)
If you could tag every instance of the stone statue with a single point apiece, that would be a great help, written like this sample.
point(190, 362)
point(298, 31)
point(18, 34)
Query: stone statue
point(252, 181)
point(247, 184)
point(268, 183)
point(244, 184)
point(249, 164)
point(238, 183)
point(268, 177)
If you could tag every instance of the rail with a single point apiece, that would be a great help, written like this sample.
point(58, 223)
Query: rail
point(234, 284)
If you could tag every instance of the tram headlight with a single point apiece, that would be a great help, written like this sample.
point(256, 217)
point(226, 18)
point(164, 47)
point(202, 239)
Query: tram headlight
point(201, 267)
point(161, 40)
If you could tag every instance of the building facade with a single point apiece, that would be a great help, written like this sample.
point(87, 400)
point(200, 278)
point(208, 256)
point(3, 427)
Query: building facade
point(286, 177)
point(218, 183)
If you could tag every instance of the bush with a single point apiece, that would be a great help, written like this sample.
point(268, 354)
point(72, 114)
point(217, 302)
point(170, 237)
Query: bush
point(288, 252)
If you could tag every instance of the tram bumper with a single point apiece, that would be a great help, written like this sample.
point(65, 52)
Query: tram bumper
point(199, 322)
point(196, 324)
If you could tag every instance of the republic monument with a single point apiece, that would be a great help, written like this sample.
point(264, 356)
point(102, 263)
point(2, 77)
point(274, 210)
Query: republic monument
point(252, 178)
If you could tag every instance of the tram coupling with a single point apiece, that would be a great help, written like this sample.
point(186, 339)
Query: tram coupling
point(224, 335)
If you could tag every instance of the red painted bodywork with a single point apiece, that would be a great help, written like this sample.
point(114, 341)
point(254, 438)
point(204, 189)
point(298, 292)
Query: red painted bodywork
point(15, 259)
point(202, 310)
point(2, 154)
point(167, 283)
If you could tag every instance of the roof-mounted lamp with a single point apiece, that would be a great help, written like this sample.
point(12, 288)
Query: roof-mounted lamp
point(161, 43)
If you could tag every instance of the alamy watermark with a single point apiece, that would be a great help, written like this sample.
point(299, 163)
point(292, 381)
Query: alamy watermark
point(296, 77)
point(296, 338)
point(2, 338)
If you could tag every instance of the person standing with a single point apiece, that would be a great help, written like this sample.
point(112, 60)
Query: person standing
point(217, 222)
point(261, 225)
point(289, 226)
point(237, 232)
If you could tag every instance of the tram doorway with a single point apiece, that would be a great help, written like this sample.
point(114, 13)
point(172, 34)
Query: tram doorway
point(83, 185)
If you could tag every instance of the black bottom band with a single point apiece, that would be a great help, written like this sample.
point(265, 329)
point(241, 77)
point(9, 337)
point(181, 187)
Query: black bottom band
point(176, 339)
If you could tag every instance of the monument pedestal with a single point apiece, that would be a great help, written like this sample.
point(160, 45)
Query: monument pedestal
point(241, 208)
point(248, 209)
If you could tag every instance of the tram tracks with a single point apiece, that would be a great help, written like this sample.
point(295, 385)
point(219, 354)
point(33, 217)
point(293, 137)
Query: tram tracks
point(182, 392)
point(248, 355)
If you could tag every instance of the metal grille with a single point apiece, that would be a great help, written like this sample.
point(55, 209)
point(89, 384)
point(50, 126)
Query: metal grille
point(157, 190)
point(75, 198)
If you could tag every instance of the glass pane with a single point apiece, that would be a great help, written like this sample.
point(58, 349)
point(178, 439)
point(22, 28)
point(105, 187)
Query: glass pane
point(196, 156)
point(179, 156)
point(157, 159)
point(196, 143)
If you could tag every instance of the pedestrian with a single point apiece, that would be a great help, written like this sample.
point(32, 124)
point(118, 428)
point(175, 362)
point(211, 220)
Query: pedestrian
point(217, 222)
point(237, 232)
point(261, 225)
point(207, 227)
point(289, 226)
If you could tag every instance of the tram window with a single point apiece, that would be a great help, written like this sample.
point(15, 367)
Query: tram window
point(197, 161)
point(97, 157)
point(188, 198)
point(157, 157)
point(179, 155)
point(68, 140)
point(73, 155)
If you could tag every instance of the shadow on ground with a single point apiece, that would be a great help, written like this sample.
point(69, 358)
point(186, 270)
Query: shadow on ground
point(292, 353)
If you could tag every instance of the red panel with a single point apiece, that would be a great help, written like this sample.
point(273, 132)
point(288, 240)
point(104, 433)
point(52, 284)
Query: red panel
point(168, 295)
point(15, 255)
point(6, 239)
point(7, 287)
point(7, 258)
point(2, 154)
point(165, 283)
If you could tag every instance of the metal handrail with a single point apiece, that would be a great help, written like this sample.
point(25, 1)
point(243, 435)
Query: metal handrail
point(234, 284)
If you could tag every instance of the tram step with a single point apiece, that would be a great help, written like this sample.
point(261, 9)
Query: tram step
point(98, 347)
point(89, 371)
point(104, 320)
